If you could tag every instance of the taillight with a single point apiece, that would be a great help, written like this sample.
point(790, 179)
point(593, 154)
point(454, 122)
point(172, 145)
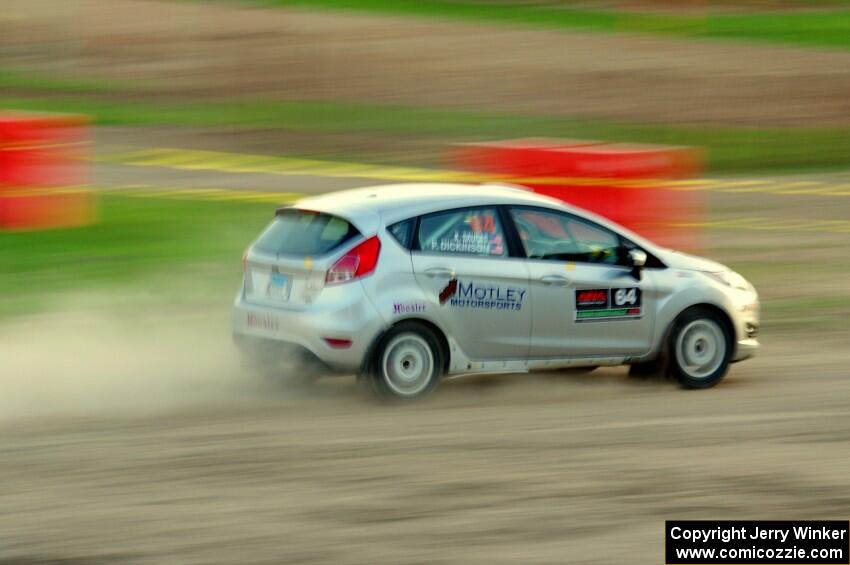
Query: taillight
point(358, 262)
point(337, 343)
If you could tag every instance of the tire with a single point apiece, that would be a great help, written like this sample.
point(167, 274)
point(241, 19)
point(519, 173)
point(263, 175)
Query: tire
point(700, 348)
point(406, 364)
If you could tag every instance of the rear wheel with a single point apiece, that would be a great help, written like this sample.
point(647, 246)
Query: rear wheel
point(700, 348)
point(407, 363)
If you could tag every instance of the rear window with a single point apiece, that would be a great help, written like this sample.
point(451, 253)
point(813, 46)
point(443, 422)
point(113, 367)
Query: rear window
point(301, 233)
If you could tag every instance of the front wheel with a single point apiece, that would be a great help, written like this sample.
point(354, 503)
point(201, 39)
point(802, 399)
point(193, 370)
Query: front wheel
point(407, 363)
point(700, 348)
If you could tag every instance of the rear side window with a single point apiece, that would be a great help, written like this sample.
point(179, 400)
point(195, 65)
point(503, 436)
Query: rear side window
point(402, 232)
point(469, 231)
point(301, 233)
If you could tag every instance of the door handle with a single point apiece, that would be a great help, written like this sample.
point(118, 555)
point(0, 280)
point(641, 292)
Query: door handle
point(440, 272)
point(555, 280)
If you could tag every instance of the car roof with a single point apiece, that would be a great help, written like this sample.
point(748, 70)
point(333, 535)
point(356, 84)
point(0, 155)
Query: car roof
point(369, 207)
point(398, 201)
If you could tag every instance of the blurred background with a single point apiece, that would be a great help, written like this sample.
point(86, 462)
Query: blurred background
point(129, 433)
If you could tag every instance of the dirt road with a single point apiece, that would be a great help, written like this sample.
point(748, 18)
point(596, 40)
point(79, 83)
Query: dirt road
point(159, 451)
point(128, 434)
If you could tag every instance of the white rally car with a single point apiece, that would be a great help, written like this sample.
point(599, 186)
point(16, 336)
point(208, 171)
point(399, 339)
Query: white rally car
point(404, 284)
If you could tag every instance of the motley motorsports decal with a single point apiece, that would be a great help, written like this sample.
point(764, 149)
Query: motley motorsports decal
point(602, 304)
point(472, 294)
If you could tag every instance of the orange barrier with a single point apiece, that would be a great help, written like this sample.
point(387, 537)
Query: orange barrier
point(626, 183)
point(44, 171)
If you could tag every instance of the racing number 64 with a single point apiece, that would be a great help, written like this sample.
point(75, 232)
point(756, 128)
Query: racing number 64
point(625, 296)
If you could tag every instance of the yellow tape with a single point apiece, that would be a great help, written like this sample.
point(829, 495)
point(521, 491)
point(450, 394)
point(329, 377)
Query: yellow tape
point(189, 159)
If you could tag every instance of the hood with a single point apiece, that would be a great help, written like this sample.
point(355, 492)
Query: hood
point(685, 262)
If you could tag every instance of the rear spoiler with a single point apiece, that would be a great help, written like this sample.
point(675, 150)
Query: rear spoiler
point(283, 209)
point(365, 228)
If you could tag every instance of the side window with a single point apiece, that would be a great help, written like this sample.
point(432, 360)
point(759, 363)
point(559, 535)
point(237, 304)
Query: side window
point(470, 231)
point(557, 236)
point(402, 232)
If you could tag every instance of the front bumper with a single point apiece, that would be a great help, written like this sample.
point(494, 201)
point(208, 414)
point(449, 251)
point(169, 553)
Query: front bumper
point(746, 322)
point(745, 349)
point(342, 313)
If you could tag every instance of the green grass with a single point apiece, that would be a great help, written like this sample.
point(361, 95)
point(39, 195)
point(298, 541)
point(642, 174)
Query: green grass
point(731, 149)
point(137, 241)
point(822, 28)
point(40, 81)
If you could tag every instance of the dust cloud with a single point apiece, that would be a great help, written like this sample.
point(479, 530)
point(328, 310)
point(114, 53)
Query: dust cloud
point(105, 359)
point(117, 355)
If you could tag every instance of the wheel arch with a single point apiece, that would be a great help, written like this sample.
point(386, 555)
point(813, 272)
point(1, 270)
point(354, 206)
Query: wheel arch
point(722, 314)
point(441, 338)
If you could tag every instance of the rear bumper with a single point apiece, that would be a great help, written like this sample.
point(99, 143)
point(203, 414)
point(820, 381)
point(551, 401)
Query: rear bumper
point(342, 313)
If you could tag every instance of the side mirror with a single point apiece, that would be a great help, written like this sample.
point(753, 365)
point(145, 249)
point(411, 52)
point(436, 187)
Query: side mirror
point(637, 258)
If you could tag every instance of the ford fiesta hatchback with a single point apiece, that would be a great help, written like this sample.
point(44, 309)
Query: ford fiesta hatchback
point(405, 284)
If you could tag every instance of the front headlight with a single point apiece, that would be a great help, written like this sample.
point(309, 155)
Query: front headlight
point(730, 278)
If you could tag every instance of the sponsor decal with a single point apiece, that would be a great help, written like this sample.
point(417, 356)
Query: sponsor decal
point(600, 304)
point(480, 236)
point(407, 307)
point(471, 243)
point(449, 291)
point(589, 298)
point(471, 294)
point(262, 321)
